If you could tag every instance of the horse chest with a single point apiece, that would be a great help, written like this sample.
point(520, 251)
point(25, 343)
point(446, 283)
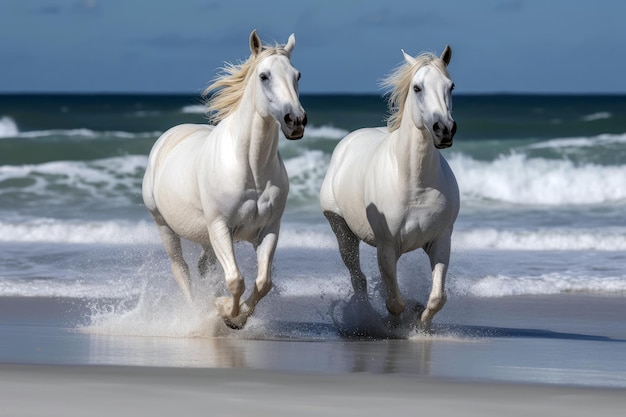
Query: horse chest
point(426, 217)
point(256, 209)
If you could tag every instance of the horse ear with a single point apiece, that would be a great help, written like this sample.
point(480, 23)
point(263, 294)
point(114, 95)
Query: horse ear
point(446, 55)
point(255, 43)
point(290, 43)
point(408, 58)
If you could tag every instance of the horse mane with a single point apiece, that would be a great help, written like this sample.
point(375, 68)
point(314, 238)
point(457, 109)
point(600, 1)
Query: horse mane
point(224, 94)
point(398, 84)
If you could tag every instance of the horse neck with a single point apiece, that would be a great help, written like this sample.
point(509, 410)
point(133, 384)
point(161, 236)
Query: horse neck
point(255, 137)
point(414, 151)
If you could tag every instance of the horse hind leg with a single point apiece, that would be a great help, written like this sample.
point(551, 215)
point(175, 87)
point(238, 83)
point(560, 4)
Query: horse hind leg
point(350, 254)
point(172, 244)
point(206, 260)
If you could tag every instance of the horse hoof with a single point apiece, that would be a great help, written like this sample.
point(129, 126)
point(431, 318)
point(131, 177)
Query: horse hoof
point(395, 308)
point(223, 305)
point(233, 324)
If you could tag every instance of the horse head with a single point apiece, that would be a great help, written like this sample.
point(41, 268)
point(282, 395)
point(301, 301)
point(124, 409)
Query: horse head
point(277, 87)
point(431, 96)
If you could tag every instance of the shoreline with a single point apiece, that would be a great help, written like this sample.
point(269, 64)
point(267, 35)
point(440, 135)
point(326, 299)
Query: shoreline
point(126, 391)
point(563, 340)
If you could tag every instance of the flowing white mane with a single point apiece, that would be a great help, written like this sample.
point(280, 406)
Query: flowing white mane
point(227, 88)
point(398, 84)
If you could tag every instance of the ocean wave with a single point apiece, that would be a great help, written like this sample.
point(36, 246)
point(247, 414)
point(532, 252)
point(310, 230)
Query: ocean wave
point(580, 142)
point(544, 284)
point(121, 232)
point(194, 109)
point(325, 132)
point(115, 180)
point(66, 289)
point(601, 115)
point(88, 134)
point(45, 230)
point(613, 239)
point(8, 127)
point(298, 236)
point(515, 178)
point(306, 173)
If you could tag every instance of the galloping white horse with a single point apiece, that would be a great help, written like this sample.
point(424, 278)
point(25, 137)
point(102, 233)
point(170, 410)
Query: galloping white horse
point(391, 187)
point(215, 185)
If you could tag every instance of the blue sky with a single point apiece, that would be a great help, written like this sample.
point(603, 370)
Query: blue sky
point(531, 46)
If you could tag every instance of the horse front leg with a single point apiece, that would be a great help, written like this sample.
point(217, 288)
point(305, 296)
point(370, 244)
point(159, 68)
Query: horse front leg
point(439, 255)
point(222, 243)
point(265, 249)
point(387, 262)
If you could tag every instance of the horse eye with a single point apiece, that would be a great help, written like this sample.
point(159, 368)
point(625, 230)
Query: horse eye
point(264, 76)
point(452, 87)
point(299, 76)
point(416, 89)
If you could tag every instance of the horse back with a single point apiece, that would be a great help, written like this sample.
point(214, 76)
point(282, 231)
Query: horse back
point(342, 189)
point(161, 149)
point(173, 137)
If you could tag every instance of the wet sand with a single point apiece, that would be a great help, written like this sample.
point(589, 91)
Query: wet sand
point(563, 355)
point(132, 391)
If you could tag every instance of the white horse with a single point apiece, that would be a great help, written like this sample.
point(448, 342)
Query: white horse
point(391, 187)
point(215, 185)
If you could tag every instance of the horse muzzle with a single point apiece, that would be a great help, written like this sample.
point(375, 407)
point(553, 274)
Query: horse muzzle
point(444, 135)
point(293, 128)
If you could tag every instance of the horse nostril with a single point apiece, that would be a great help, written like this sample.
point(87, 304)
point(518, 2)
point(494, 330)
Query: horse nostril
point(304, 121)
point(453, 128)
point(288, 118)
point(436, 127)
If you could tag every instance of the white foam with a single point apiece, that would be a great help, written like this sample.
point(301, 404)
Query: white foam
point(66, 288)
point(112, 180)
point(597, 116)
point(580, 142)
point(325, 132)
point(194, 109)
point(515, 178)
point(306, 173)
point(60, 231)
point(545, 284)
point(302, 237)
point(8, 127)
point(613, 239)
point(88, 134)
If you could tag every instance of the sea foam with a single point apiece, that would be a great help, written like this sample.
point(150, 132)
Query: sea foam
point(553, 239)
point(545, 284)
point(8, 127)
point(76, 232)
point(515, 178)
